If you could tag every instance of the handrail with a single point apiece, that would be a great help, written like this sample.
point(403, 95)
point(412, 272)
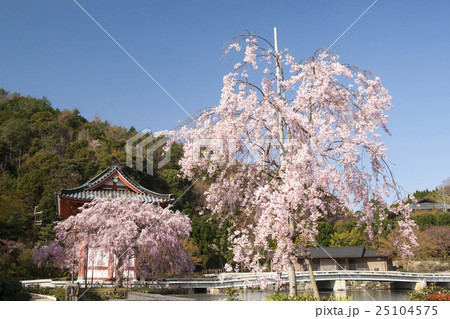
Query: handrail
point(252, 277)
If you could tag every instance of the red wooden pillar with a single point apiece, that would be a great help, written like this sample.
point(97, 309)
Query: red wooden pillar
point(110, 266)
point(83, 266)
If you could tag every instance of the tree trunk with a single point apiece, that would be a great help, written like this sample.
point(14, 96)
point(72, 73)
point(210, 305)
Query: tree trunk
point(119, 274)
point(278, 283)
point(291, 265)
point(86, 267)
point(313, 279)
point(292, 280)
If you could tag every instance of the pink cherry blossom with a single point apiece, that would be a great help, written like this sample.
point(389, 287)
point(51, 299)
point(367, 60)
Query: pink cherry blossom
point(126, 228)
point(286, 152)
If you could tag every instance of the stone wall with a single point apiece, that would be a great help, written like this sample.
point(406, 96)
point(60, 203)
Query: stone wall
point(133, 295)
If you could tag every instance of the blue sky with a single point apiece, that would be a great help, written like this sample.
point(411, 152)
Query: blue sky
point(51, 48)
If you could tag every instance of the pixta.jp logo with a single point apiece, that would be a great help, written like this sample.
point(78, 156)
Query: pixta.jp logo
point(145, 141)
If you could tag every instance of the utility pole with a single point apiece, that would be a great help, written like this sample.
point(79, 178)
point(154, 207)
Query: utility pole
point(291, 221)
point(282, 95)
point(35, 222)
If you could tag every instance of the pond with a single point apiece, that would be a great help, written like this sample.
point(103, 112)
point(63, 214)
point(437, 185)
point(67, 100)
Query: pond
point(355, 295)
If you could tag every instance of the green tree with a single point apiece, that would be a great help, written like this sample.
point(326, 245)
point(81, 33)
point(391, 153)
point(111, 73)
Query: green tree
point(12, 219)
point(325, 232)
point(424, 220)
point(347, 239)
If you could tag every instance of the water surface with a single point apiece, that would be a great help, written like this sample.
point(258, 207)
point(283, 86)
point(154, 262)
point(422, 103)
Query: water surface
point(355, 295)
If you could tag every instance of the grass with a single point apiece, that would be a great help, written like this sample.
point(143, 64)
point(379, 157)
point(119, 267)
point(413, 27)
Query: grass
point(304, 297)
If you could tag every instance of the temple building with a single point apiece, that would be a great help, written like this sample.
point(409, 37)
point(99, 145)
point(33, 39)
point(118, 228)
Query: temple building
point(113, 182)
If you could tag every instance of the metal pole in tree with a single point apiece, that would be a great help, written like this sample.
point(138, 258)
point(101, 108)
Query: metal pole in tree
point(291, 267)
point(35, 213)
point(34, 225)
point(278, 74)
point(282, 95)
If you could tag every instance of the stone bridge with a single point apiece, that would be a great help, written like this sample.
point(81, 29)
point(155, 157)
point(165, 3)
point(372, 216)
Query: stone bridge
point(333, 280)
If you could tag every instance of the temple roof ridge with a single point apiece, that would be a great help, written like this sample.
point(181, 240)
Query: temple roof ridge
point(92, 185)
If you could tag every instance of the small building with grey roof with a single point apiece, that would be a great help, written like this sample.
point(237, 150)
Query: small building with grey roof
point(349, 258)
point(427, 204)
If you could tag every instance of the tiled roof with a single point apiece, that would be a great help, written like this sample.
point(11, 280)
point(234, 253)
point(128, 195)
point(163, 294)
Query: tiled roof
point(344, 252)
point(88, 190)
point(375, 253)
point(337, 252)
point(430, 206)
point(90, 195)
point(426, 200)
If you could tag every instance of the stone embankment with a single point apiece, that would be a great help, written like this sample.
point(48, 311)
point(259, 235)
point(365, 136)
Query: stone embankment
point(140, 296)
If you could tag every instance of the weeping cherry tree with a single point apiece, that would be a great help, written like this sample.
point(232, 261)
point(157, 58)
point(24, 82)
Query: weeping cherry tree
point(125, 228)
point(290, 143)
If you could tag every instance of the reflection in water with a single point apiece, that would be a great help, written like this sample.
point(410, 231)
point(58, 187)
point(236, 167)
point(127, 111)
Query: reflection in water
point(355, 295)
point(372, 295)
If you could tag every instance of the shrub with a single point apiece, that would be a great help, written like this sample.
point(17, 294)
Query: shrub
point(11, 289)
point(431, 293)
point(232, 294)
point(103, 294)
point(438, 297)
point(304, 297)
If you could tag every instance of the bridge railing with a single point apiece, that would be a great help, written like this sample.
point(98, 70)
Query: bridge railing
point(229, 278)
point(213, 271)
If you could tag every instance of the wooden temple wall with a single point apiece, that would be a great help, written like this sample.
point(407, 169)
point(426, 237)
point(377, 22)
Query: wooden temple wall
point(100, 266)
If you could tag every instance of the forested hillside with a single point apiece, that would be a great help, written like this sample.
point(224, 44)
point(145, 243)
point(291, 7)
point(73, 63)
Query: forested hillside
point(43, 148)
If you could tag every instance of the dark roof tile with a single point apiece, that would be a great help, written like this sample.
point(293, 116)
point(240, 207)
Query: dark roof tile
point(85, 192)
point(337, 252)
